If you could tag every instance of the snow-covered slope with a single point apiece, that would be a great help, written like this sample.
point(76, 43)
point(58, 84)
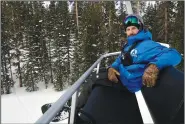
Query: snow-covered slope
point(24, 107)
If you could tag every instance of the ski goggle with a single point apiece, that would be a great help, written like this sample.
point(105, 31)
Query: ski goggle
point(132, 21)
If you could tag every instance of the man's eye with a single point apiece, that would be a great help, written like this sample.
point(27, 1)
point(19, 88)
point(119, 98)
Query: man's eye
point(134, 28)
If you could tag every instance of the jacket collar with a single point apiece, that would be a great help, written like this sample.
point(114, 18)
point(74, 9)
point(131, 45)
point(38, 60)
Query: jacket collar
point(140, 36)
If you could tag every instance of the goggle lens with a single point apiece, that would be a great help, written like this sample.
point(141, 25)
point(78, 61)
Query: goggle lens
point(131, 20)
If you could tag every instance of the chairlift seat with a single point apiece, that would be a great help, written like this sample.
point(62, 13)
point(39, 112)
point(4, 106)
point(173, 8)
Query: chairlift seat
point(111, 104)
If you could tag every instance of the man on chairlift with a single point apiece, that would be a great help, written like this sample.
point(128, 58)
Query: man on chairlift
point(140, 61)
point(141, 58)
point(138, 65)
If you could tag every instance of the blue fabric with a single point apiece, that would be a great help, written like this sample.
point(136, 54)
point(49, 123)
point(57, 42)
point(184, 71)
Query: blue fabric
point(146, 52)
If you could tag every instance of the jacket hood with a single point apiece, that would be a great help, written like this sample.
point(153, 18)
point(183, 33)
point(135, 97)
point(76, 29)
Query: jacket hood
point(140, 36)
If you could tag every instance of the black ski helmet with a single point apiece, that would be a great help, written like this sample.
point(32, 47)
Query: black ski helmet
point(133, 20)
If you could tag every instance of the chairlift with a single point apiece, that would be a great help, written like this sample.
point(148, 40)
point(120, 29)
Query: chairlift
point(109, 104)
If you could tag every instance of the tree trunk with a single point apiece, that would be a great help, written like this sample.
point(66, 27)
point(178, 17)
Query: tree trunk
point(10, 66)
point(50, 64)
point(20, 74)
point(166, 25)
point(138, 7)
point(19, 68)
point(7, 81)
point(42, 64)
point(110, 30)
point(3, 74)
point(77, 16)
point(32, 82)
point(60, 73)
point(2, 89)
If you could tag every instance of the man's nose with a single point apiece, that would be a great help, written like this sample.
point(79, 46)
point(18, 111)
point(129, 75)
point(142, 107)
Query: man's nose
point(131, 32)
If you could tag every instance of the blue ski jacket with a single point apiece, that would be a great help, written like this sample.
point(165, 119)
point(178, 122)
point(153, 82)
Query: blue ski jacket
point(146, 52)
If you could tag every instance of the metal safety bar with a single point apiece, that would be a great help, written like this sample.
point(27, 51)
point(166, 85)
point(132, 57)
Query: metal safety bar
point(73, 108)
point(47, 117)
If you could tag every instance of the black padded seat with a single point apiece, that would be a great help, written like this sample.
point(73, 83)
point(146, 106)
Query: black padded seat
point(166, 99)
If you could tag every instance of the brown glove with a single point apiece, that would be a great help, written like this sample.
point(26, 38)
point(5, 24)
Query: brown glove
point(150, 75)
point(112, 75)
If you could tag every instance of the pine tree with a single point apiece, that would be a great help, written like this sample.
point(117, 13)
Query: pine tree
point(164, 17)
point(90, 37)
point(32, 68)
point(112, 38)
point(50, 25)
point(17, 34)
point(150, 19)
point(6, 80)
point(178, 32)
point(77, 63)
point(62, 45)
point(44, 49)
point(6, 72)
point(138, 7)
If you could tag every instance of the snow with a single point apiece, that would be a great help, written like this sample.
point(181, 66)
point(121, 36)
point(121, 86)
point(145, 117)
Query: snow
point(15, 61)
point(117, 4)
point(12, 51)
point(23, 51)
point(94, 45)
point(151, 2)
point(46, 3)
point(36, 72)
point(54, 60)
point(24, 107)
point(70, 6)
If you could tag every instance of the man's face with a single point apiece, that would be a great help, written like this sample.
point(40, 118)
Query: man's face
point(131, 30)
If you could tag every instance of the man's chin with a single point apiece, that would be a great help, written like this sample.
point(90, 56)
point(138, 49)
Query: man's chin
point(131, 35)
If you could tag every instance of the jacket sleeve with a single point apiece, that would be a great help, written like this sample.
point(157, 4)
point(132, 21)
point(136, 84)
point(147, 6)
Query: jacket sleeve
point(130, 74)
point(116, 63)
point(167, 57)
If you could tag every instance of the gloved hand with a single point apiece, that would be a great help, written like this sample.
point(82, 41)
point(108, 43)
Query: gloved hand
point(150, 75)
point(112, 75)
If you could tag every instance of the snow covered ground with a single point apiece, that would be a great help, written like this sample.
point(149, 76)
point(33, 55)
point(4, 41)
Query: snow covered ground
point(24, 107)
